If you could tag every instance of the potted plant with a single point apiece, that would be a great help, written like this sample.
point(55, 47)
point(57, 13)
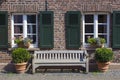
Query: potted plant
point(23, 42)
point(20, 56)
point(103, 56)
point(96, 42)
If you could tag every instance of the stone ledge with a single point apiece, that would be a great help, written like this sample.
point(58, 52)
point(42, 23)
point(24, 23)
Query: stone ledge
point(115, 66)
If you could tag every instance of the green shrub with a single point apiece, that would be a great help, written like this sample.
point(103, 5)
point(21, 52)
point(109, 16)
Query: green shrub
point(20, 55)
point(103, 54)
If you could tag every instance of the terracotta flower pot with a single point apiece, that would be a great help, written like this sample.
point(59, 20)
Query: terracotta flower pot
point(103, 67)
point(20, 67)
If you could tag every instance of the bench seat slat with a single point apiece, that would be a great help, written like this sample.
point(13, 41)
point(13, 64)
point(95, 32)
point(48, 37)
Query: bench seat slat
point(58, 64)
point(53, 61)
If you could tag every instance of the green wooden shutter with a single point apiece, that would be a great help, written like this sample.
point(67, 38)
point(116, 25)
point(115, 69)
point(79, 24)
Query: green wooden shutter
point(116, 29)
point(72, 20)
point(46, 29)
point(3, 29)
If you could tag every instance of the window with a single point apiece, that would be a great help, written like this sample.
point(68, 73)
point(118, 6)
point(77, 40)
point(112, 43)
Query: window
point(26, 26)
point(95, 25)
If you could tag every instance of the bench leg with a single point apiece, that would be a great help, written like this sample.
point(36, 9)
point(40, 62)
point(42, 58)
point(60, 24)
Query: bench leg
point(87, 68)
point(33, 69)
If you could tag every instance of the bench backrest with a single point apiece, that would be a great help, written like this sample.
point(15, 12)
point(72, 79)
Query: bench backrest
point(61, 55)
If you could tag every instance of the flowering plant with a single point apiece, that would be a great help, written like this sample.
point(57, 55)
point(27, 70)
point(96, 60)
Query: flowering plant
point(96, 41)
point(23, 42)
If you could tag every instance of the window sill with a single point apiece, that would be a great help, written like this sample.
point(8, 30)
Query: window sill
point(93, 48)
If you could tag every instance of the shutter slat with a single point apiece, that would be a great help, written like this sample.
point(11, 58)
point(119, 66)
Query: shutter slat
point(46, 29)
point(3, 29)
point(72, 20)
point(116, 29)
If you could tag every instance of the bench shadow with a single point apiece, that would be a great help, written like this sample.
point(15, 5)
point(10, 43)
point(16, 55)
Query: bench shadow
point(60, 69)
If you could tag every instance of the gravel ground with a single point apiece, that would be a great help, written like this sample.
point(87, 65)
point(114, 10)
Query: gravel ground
point(109, 75)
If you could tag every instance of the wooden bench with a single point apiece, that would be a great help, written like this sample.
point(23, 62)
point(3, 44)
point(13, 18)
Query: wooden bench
point(60, 58)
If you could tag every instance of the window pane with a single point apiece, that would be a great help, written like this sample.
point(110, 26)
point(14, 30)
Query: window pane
point(89, 29)
point(87, 36)
point(73, 19)
point(31, 18)
point(31, 29)
point(102, 18)
point(33, 38)
point(102, 29)
point(18, 29)
point(89, 19)
point(18, 18)
point(2, 19)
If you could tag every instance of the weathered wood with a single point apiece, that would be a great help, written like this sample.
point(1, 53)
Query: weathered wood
point(60, 58)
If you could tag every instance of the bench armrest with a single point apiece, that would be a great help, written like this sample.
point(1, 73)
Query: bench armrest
point(86, 54)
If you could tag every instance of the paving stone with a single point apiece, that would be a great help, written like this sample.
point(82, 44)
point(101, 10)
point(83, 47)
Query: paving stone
point(109, 75)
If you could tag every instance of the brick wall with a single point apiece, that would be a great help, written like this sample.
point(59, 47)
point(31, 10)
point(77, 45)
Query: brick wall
point(5, 57)
point(59, 7)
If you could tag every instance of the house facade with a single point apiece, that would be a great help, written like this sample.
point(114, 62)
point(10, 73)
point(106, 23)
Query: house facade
point(59, 24)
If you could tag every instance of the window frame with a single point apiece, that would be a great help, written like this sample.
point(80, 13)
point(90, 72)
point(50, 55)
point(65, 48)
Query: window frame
point(95, 23)
point(24, 28)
